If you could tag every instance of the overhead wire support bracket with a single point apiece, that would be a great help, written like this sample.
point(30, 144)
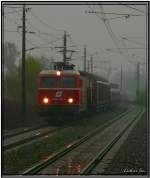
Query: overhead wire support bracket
point(111, 13)
point(68, 51)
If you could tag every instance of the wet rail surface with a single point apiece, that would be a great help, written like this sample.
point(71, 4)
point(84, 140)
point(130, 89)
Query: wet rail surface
point(19, 131)
point(17, 137)
point(23, 138)
point(60, 162)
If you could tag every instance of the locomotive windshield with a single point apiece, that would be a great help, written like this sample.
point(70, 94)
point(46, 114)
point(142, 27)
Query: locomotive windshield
point(68, 82)
point(48, 82)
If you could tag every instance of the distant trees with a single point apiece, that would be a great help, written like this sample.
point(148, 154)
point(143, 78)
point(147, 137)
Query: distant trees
point(10, 56)
point(142, 98)
point(33, 67)
point(12, 85)
point(45, 62)
point(13, 81)
point(130, 82)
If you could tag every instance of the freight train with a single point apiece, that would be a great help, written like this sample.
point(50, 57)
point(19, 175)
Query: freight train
point(64, 89)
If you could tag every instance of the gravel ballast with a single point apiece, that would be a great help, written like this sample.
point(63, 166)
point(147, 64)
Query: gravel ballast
point(131, 159)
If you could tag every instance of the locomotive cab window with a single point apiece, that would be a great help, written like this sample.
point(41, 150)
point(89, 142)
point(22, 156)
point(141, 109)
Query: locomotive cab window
point(68, 82)
point(48, 82)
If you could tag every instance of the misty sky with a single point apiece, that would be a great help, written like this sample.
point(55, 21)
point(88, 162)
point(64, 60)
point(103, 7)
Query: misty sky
point(49, 21)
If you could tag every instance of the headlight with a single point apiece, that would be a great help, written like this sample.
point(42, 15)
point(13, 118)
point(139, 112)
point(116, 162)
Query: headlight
point(70, 100)
point(45, 100)
point(58, 73)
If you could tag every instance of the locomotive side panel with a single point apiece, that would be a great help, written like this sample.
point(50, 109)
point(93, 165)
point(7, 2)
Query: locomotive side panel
point(83, 93)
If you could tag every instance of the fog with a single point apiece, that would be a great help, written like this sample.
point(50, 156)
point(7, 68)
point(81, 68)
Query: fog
point(48, 23)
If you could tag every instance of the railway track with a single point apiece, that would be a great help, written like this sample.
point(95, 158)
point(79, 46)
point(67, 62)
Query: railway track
point(26, 137)
point(97, 160)
point(16, 132)
point(18, 137)
point(52, 161)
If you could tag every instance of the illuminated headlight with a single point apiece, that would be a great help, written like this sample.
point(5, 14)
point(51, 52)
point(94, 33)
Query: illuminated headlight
point(45, 100)
point(58, 72)
point(70, 100)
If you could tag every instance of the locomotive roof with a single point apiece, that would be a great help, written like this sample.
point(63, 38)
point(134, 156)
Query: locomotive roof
point(53, 72)
point(93, 76)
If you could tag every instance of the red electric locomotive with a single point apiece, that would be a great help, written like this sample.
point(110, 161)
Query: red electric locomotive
point(67, 90)
point(61, 90)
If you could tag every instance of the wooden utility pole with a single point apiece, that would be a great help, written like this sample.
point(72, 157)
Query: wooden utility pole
point(23, 62)
point(85, 58)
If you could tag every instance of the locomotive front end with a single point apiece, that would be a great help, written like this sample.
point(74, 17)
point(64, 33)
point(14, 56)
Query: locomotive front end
point(59, 91)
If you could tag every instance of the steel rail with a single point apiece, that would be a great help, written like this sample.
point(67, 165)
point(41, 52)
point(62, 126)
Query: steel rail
point(17, 143)
point(40, 166)
point(9, 135)
point(26, 140)
point(88, 169)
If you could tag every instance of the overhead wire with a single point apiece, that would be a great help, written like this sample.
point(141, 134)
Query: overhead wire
point(10, 31)
point(11, 7)
point(80, 57)
point(14, 22)
point(44, 23)
point(112, 13)
point(133, 41)
point(29, 41)
point(39, 31)
point(12, 12)
point(126, 17)
point(112, 35)
point(132, 8)
point(36, 28)
point(43, 33)
point(127, 52)
point(76, 46)
point(40, 46)
point(108, 27)
point(121, 50)
point(41, 37)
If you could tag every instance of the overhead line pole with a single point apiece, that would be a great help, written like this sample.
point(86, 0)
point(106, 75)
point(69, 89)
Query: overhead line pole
point(121, 80)
point(91, 64)
point(23, 62)
point(84, 58)
point(65, 47)
point(3, 50)
point(138, 81)
point(88, 67)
